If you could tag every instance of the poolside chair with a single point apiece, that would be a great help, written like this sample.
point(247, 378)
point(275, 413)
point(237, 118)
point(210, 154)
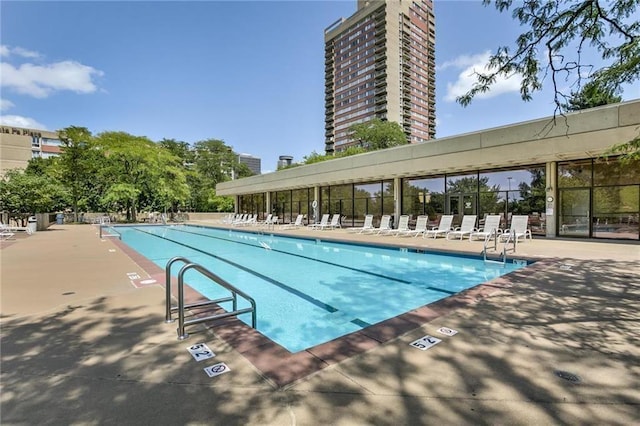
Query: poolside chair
point(9, 228)
point(491, 227)
point(403, 225)
point(442, 229)
point(5, 233)
point(385, 225)
point(295, 225)
point(368, 225)
point(266, 221)
point(467, 226)
point(421, 227)
point(323, 222)
point(519, 229)
point(335, 223)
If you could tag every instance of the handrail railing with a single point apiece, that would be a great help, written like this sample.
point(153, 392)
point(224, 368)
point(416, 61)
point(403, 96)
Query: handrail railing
point(495, 235)
point(182, 323)
point(109, 235)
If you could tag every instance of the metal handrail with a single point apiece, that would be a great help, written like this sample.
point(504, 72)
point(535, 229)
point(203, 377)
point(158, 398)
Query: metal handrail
point(235, 292)
point(113, 229)
point(494, 233)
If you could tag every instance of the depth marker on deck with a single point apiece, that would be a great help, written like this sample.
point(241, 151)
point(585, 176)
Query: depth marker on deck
point(200, 352)
point(425, 342)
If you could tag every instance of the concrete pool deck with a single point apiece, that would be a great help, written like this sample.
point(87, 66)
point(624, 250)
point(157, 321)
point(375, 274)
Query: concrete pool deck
point(81, 344)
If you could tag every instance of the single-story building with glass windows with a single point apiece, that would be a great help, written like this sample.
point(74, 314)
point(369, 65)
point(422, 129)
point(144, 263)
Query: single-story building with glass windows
point(551, 169)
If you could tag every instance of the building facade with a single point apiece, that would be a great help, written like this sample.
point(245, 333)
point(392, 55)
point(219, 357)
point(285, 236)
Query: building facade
point(19, 145)
point(553, 170)
point(380, 63)
point(253, 163)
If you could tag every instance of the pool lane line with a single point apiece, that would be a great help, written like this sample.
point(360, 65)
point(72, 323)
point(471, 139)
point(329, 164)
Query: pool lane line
point(337, 265)
point(283, 286)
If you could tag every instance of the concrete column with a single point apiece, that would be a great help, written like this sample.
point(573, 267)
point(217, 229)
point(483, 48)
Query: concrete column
point(267, 198)
point(316, 198)
point(397, 200)
point(551, 201)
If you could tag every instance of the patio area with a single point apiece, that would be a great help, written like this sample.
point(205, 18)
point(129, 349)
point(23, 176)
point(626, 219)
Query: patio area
point(84, 342)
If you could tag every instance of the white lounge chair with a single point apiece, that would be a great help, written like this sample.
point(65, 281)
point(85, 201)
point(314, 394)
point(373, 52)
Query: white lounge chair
point(519, 229)
point(491, 227)
point(323, 222)
point(335, 223)
point(266, 221)
point(9, 228)
point(385, 225)
point(367, 226)
point(5, 233)
point(443, 227)
point(421, 227)
point(403, 225)
point(295, 225)
point(467, 226)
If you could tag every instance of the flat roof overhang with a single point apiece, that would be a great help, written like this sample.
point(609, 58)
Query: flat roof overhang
point(583, 134)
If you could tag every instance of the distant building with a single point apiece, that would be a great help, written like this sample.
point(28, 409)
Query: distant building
point(380, 63)
point(254, 163)
point(284, 161)
point(19, 145)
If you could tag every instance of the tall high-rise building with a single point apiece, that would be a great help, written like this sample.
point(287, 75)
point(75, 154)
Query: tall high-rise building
point(380, 63)
point(254, 163)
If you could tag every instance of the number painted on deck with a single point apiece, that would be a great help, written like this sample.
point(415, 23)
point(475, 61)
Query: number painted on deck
point(425, 342)
point(200, 352)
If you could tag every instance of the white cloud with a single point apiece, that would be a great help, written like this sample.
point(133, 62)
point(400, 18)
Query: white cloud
point(19, 51)
point(464, 61)
point(6, 105)
point(466, 78)
point(41, 80)
point(19, 121)
point(25, 53)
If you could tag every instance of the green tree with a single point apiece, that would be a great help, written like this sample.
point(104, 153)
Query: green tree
point(139, 173)
point(76, 167)
point(214, 162)
point(315, 157)
point(180, 149)
point(121, 196)
point(24, 194)
point(591, 95)
point(377, 134)
point(564, 30)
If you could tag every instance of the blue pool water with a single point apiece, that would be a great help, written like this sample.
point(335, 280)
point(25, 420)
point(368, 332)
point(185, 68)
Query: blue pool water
point(307, 291)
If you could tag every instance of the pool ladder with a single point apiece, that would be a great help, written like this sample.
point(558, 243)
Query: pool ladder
point(511, 240)
point(181, 307)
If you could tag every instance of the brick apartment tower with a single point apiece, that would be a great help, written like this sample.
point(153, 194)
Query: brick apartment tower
point(380, 63)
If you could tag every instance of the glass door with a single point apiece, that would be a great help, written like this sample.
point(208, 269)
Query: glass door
point(460, 205)
point(574, 215)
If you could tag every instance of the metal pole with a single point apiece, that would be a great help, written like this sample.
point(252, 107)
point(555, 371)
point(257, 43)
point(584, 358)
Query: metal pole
point(167, 285)
point(181, 333)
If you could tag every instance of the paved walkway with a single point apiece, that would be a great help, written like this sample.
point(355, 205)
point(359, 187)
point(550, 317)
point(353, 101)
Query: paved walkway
point(82, 345)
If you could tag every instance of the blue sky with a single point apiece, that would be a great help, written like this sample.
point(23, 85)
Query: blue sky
point(249, 73)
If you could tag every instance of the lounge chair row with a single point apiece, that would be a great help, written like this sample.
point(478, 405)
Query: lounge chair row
point(445, 229)
point(8, 232)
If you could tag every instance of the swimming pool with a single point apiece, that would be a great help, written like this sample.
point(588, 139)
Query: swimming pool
point(310, 291)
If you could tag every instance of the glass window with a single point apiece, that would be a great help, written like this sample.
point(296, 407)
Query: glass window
point(462, 183)
point(612, 172)
point(574, 174)
point(423, 196)
point(615, 212)
point(573, 216)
